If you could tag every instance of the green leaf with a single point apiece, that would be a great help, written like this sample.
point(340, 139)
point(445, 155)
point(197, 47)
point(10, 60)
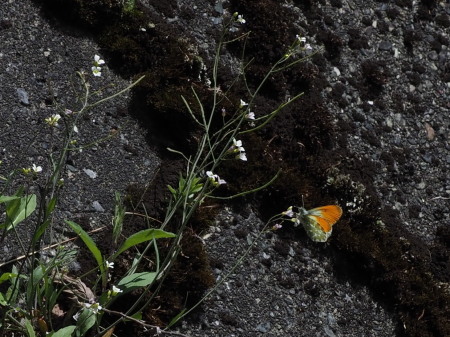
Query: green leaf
point(143, 236)
point(29, 327)
point(172, 190)
point(6, 277)
point(176, 318)
point(65, 332)
point(5, 198)
point(90, 244)
point(3, 300)
point(137, 315)
point(19, 209)
point(51, 205)
point(137, 280)
point(33, 282)
point(85, 321)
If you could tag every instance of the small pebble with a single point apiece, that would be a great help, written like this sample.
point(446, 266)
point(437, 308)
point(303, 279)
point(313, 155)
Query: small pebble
point(23, 96)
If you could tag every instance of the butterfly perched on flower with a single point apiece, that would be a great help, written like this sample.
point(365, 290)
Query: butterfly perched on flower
point(318, 222)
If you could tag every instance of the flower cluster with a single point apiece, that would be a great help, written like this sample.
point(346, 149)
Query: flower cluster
point(239, 149)
point(215, 179)
point(248, 114)
point(293, 215)
point(34, 169)
point(53, 120)
point(302, 41)
point(96, 69)
point(94, 307)
point(298, 45)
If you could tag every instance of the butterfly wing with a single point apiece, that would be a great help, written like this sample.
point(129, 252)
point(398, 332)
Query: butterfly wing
point(325, 216)
point(318, 221)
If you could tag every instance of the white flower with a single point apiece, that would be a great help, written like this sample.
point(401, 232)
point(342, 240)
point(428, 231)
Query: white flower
point(114, 291)
point(250, 115)
point(96, 71)
point(109, 264)
point(276, 227)
point(75, 129)
point(215, 179)
point(290, 213)
point(237, 145)
point(53, 119)
point(36, 169)
point(76, 316)
point(94, 307)
point(240, 19)
point(308, 46)
point(300, 39)
point(242, 104)
point(242, 156)
point(98, 61)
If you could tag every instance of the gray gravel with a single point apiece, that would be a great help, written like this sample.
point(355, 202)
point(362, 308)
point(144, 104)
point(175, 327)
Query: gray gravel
point(38, 63)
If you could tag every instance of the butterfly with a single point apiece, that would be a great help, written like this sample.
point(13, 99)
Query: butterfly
point(318, 222)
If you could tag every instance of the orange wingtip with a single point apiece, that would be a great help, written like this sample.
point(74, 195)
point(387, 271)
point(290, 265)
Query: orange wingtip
point(325, 216)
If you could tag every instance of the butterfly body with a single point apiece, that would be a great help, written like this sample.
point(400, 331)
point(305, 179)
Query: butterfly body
point(318, 222)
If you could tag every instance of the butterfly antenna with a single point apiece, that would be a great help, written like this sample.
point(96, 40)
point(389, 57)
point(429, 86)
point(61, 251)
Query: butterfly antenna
point(303, 203)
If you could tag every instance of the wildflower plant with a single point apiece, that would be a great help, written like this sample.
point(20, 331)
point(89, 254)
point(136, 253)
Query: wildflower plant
point(35, 285)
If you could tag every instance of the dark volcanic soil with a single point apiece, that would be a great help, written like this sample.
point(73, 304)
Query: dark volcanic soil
point(371, 133)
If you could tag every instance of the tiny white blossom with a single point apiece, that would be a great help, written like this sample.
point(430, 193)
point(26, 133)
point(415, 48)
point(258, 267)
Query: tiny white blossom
point(237, 145)
point(53, 119)
point(76, 316)
point(250, 115)
point(98, 61)
point(109, 265)
point(242, 156)
point(300, 39)
point(276, 227)
point(116, 290)
point(308, 46)
point(36, 169)
point(75, 129)
point(94, 307)
point(290, 213)
point(215, 179)
point(96, 71)
point(242, 104)
point(240, 19)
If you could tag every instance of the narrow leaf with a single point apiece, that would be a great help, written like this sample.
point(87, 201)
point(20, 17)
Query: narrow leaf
point(5, 198)
point(85, 321)
point(137, 280)
point(29, 327)
point(17, 211)
point(143, 236)
point(6, 276)
point(89, 243)
point(176, 318)
point(65, 332)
